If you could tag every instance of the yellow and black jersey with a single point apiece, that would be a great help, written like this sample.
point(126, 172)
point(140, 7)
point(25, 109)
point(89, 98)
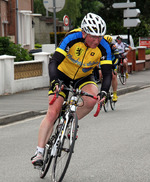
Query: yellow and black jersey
point(75, 59)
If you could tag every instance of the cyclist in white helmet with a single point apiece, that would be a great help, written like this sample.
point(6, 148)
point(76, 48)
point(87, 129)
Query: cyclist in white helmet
point(122, 53)
point(74, 60)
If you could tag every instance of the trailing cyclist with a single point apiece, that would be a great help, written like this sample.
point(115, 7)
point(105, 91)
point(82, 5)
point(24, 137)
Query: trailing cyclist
point(115, 62)
point(74, 60)
point(122, 53)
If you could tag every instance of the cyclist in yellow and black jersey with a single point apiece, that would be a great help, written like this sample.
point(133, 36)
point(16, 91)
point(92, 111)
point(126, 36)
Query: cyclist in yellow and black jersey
point(74, 60)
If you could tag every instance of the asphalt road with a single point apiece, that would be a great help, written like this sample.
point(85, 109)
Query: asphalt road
point(114, 147)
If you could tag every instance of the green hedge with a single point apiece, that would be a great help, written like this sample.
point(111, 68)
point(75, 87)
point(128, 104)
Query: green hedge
point(37, 46)
point(60, 36)
point(9, 48)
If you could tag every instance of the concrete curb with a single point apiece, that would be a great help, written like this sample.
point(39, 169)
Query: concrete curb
point(28, 114)
point(128, 90)
point(20, 116)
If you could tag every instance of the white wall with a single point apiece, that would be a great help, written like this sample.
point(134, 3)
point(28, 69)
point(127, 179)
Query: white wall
point(9, 85)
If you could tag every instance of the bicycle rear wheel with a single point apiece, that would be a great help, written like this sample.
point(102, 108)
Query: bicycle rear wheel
point(47, 150)
point(65, 149)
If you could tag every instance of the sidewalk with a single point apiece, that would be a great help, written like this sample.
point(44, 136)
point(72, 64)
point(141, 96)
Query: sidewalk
point(31, 103)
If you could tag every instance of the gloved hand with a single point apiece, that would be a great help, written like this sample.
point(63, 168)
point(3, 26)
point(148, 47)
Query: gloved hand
point(102, 94)
point(53, 84)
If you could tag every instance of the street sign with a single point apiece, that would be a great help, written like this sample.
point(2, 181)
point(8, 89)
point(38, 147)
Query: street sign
point(131, 13)
point(66, 20)
point(59, 4)
point(144, 41)
point(124, 5)
point(131, 22)
point(66, 28)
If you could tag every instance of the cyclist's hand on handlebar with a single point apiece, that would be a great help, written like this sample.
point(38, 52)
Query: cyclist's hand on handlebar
point(54, 85)
point(102, 96)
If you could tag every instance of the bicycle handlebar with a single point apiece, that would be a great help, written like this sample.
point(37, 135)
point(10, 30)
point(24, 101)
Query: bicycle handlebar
point(77, 92)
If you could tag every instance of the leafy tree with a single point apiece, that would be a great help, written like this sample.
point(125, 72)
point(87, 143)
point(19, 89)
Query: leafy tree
point(72, 9)
point(87, 6)
point(39, 7)
point(76, 10)
point(114, 19)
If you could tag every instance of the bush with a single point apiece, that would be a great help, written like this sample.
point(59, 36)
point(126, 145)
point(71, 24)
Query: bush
point(9, 48)
point(60, 36)
point(37, 46)
point(147, 51)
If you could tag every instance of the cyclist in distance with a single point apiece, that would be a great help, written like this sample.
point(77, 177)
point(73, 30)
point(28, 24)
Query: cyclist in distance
point(74, 60)
point(115, 62)
point(122, 53)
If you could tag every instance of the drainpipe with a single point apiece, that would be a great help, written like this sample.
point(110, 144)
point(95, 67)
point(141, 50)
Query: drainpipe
point(17, 24)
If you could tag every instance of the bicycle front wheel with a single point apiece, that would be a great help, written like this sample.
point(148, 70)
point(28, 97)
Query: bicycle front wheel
point(105, 106)
point(112, 103)
point(122, 76)
point(65, 149)
point(47, 150)
point(46, 162)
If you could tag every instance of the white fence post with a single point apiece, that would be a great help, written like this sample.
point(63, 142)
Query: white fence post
point(50, 48)
point(9, 85)
point(2, 76)
point(8, 69)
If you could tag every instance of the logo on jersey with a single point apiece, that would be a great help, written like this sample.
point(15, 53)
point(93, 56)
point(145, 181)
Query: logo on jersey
point(92, 53)
point(79, 51)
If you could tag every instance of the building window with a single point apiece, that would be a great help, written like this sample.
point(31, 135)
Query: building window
point(4, 28)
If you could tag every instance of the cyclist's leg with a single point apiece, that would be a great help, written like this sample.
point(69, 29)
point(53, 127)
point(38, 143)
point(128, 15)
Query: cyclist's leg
point(88, 85)
point(114, 85)
point(46, 126)
point(89, 103)
point(46, 129)
point(125, 63)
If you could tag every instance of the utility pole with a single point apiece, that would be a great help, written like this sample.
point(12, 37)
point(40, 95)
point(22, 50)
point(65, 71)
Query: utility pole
point(17, 22)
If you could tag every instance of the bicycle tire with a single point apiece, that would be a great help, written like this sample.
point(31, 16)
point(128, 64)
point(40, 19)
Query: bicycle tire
point(122, 75)
point(105, 106)
point(47, 161)
point(62, 159)
point(47, 151)
point(112, 103)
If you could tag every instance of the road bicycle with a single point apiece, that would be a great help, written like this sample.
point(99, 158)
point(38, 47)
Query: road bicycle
point(60, 146)
point(109, 100)
point(122, 72)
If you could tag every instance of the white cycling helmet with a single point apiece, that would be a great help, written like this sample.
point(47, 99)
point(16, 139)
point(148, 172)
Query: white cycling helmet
point(93, 24)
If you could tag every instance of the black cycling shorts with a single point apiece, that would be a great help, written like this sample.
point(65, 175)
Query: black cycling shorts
point(79, 83)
